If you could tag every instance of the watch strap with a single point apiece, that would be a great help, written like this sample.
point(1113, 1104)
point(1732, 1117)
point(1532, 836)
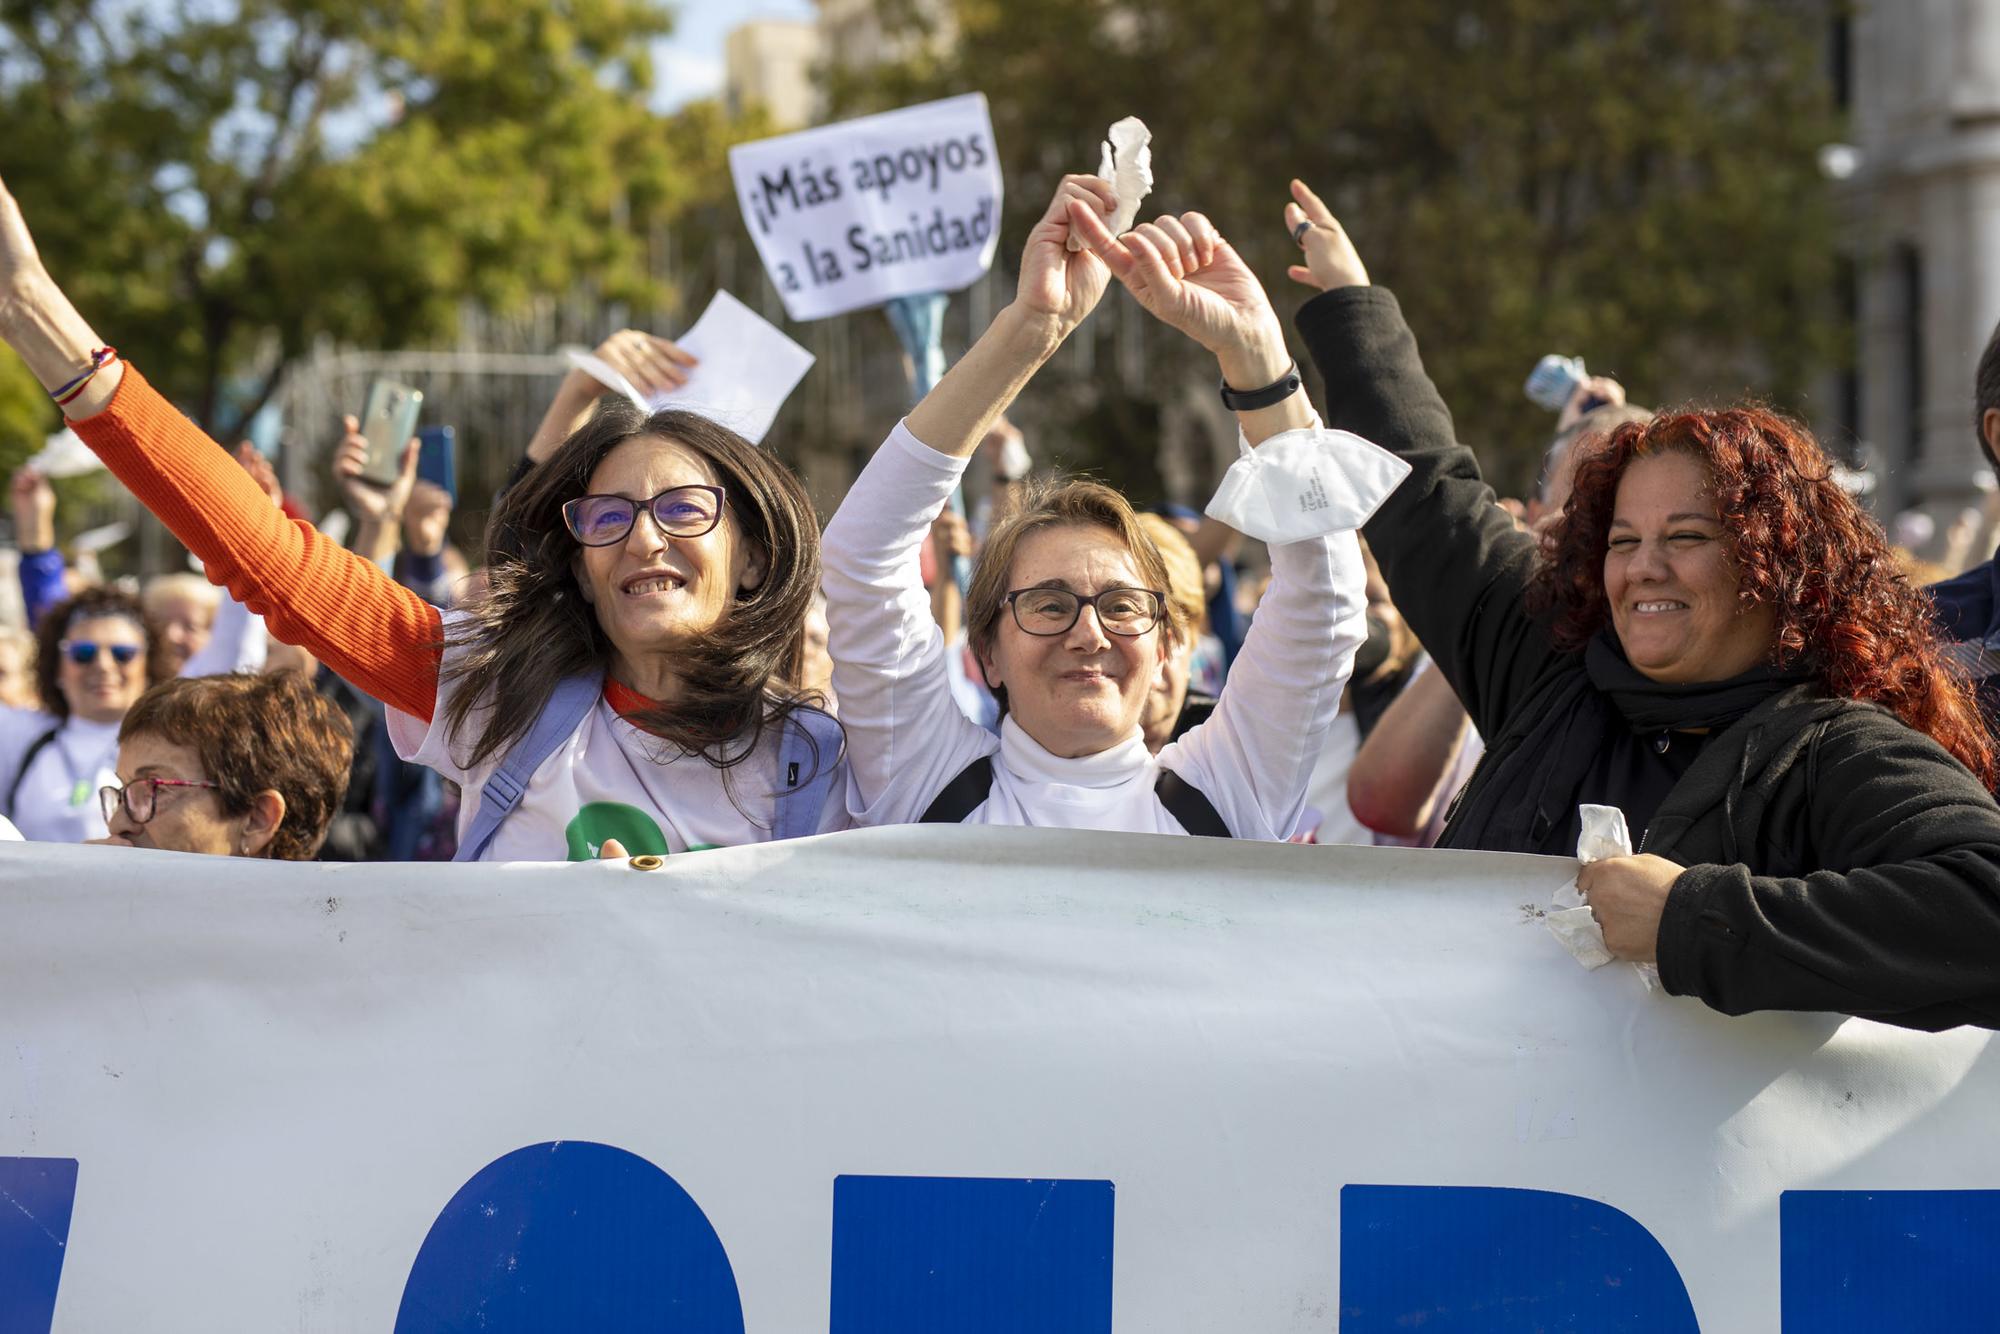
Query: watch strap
point(1249, 400)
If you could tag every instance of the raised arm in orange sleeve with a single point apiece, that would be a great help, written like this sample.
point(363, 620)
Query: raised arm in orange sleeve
point(310, 590)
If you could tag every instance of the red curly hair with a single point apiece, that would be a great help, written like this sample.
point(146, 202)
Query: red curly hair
point(1801, 546)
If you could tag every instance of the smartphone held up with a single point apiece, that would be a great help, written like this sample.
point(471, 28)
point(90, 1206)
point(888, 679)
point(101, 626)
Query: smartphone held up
point(388, 422)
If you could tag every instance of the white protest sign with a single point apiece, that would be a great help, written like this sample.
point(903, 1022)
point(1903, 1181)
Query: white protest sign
point(746, 369)
point(939, 1078)
point(846, 216)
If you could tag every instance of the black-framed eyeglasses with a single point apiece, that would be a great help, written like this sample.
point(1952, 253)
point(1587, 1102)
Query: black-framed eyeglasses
point(681, 511)
point(141, 797)
point(83, 652)
point(1121, 611)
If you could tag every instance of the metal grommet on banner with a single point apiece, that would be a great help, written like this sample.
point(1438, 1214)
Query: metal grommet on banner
point(648, 862)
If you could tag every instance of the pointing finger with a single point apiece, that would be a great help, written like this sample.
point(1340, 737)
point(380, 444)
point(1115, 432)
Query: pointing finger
point(1315, 208)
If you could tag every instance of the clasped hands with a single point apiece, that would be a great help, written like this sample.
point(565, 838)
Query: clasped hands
point(1180, 269)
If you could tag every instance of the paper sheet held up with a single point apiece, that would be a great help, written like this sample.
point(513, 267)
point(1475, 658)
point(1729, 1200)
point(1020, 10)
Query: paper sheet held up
point(746, 370)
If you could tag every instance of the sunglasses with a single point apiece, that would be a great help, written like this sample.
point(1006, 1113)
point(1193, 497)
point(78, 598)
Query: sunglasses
point(83, 652)
point(683, 511)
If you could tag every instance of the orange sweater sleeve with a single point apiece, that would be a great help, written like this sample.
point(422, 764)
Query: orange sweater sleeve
point(312, 591)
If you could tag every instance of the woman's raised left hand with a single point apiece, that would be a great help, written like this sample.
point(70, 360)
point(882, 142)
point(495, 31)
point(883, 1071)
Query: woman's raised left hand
point(1186, 275)
point(1628, 896)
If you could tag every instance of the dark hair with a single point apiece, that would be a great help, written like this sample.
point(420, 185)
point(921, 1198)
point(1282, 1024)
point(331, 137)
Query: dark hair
point(1801, 546)
point(54, 626)
point(532, 627)
point(256, 732)
point(1986, 392)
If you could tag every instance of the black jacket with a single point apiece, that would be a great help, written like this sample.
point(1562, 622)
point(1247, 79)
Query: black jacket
point(1837, 859)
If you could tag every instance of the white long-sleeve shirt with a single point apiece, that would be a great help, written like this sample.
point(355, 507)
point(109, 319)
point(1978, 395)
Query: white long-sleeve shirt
point(907, 739)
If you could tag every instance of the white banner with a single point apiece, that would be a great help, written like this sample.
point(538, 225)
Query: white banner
point(934, 1079)
point(846, 216)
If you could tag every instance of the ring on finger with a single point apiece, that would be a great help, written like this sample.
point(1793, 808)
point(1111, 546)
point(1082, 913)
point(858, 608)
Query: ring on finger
point(1299, 232)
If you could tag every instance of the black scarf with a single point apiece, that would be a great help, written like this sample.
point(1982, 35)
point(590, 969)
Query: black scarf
point(1525, 798)
point(1647, 705)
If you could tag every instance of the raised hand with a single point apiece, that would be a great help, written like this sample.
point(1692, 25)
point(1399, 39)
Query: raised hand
point(1331, 260)
point(951, 536)
point(371, 503)
point(34, 510)
point(426, 519)
point(1186, 275)
point(651, 363)
point(1596, 391)
point(40, 324)
point(1055, 280)
point(261, 472)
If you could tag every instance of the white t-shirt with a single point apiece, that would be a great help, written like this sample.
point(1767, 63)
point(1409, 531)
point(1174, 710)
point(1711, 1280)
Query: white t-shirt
point(611, 780)
point(907, 738)
point(56, 801)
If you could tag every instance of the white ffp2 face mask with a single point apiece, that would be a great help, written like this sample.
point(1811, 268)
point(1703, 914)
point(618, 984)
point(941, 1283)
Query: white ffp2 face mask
point(1305, 483)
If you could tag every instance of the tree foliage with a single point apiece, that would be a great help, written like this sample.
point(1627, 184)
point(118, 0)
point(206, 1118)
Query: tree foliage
point(1630, 180)
point(220, 184)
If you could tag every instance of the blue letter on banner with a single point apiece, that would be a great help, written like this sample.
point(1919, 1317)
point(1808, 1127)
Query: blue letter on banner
point(1487, 1260)
point(914, 1255)
point(571, 1235)
point(36, 1195)
point(1889, 1261)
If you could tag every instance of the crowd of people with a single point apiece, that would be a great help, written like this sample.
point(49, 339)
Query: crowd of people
point(658, 651)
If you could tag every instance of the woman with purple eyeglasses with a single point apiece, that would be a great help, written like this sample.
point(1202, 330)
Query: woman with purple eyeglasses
point(627, 684)
point(95, 655)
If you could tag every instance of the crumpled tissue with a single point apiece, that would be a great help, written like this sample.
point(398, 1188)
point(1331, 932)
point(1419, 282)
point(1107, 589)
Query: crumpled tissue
point(1305, 483)
point(1602, 833)
point(1126, 162)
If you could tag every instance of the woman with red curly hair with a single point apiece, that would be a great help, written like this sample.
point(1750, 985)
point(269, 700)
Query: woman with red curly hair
point(1719, 645)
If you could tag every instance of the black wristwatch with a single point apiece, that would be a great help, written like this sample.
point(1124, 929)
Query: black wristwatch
point(1249, 400)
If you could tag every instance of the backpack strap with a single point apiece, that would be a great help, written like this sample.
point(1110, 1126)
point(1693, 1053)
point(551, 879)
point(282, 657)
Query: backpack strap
point(965, 793)
point(962, 795)
point(574, 698)
point(808, 763)
point(35, 747)
point(1185, 802)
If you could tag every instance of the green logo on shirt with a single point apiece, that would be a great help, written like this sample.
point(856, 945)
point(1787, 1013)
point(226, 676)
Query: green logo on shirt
point(602, 820)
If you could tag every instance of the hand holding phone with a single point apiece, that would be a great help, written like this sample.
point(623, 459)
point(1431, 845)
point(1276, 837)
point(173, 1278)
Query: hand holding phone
point(388, 421)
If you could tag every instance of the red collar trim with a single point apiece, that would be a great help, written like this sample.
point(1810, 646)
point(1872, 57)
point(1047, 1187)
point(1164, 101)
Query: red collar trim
point(625, 701)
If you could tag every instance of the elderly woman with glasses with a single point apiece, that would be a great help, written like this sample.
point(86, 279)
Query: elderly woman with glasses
point(1068, 614)
point(94, 656)
point(625, 683)
point(238, 766)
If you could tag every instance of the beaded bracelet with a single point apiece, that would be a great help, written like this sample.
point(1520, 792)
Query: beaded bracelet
point(99, 359)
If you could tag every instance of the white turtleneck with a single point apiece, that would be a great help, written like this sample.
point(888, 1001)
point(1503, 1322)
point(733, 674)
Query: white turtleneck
point(907, 739)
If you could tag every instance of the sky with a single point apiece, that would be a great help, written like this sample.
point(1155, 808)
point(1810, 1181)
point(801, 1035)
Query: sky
point(688, 65)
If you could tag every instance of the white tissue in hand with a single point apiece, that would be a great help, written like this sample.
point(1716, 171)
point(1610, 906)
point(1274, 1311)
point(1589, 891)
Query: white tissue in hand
point(1580, 935)
point(1306, 483)
point(1126, 162)
point(1601, 833)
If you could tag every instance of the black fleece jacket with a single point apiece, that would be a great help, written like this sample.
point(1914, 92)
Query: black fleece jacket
point(1836, 859)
